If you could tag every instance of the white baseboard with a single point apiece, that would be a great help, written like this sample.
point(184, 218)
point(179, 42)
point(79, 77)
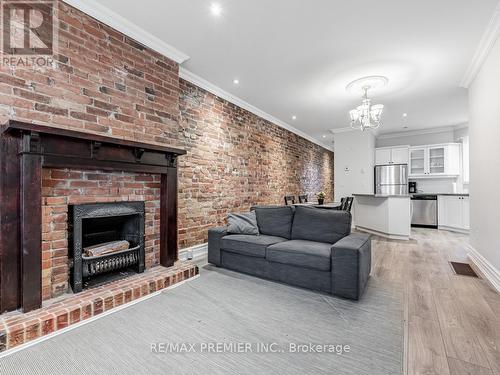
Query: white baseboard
point(198, 251)
point(488, 271)
point(452, 229)
point(383, 234)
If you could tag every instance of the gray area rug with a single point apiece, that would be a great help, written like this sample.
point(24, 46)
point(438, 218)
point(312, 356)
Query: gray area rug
point(228, 307)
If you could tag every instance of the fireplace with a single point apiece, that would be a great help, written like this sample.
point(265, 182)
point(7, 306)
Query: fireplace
point(28, 248)
point(94, 225)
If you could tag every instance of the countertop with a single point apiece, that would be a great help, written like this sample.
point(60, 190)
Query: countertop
point(410, 195)
point(382, 195)
point(453, 194)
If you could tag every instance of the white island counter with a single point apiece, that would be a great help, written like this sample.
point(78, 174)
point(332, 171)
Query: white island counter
point(384, 215)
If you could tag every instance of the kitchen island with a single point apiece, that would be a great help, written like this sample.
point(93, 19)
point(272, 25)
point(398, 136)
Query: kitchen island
point(384, 215)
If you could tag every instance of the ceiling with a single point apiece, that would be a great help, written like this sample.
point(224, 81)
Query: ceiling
point(295, 57)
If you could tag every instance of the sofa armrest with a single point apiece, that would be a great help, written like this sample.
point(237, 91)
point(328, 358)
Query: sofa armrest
point(214, 244)
point(351, 265)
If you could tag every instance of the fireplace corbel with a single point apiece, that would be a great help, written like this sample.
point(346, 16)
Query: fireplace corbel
point(25, 149)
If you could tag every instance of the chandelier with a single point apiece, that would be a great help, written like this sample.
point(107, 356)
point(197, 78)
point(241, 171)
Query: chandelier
point(366, 116)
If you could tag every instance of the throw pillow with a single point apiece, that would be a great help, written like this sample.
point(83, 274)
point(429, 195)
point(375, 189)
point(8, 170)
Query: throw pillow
point(245, 223)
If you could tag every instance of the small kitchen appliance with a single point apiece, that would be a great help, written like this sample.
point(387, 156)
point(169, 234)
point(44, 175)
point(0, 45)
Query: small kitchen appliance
point(412, 187)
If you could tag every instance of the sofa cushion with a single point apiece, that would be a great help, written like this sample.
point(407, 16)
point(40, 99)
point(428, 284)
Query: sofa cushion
point(245, 244)
point(308, 254)
point(274, 221)
point(314, 224)
point(243, 223)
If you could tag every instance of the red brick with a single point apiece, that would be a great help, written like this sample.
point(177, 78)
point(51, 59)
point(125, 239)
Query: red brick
point(30, 95)
point(15, 336)
point(32, 330)
point(83, 116)
point(51, 109)
point(98, 306)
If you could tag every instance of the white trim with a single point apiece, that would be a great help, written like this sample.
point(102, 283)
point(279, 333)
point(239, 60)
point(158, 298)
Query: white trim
point(114, 20)
point(487, 42)
point(210, 87)
point(409, 133)
point(347, 129)
point(488, 271)
point(199, 251)
point(90, 320)
point(453, 229)
point(429, 176)
point(383, 234)
point(391, 147)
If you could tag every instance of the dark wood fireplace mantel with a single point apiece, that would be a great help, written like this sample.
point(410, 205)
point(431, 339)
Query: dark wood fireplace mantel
point(25, 149)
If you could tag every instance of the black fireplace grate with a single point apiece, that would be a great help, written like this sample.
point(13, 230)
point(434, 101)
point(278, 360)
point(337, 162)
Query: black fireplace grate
point(97, 223)
point(100, 264)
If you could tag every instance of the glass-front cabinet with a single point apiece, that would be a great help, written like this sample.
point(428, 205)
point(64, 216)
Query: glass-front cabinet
point(417, 161)
point(435, 160)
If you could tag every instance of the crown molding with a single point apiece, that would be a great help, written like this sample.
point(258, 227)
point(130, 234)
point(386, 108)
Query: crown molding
point(487, 42)
point(347, 129)
point(216, 90)
point(114, 20)
point(409, 133)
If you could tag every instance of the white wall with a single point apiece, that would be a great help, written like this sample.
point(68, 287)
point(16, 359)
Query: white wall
point(484, 133)
point(354, 160)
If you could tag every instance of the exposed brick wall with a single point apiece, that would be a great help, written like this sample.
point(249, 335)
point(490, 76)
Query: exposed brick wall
point(103, 82)
point(61, 187)
point(235, 160)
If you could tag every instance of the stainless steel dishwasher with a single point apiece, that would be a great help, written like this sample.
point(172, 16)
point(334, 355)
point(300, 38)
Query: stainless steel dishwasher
point(424, 211)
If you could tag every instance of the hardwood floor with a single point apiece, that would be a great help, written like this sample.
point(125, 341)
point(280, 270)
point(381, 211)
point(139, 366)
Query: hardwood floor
point(452, 322)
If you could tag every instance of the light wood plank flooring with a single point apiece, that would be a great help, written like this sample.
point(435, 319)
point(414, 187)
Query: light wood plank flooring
point(452, 323)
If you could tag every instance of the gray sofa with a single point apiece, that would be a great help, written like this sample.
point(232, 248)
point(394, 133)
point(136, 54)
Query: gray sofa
point(301, 246)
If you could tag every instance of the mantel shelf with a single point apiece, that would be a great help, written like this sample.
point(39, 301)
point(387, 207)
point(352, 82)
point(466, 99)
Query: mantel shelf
point(17, 126)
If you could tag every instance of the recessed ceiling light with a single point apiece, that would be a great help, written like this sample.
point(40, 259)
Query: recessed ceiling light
point(294, 117)
point(405, 114)
point(236, 81)
point(216, 9)
point(324, 136)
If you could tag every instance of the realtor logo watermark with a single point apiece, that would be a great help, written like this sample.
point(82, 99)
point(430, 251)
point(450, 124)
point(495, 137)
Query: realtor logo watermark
point(29, 34)
point(248, 347)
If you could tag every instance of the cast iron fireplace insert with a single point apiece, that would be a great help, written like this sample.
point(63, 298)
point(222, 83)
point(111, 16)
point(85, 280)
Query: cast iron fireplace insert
point(98, 223)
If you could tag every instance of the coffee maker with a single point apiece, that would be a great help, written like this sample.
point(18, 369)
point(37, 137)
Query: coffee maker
point(412, 187)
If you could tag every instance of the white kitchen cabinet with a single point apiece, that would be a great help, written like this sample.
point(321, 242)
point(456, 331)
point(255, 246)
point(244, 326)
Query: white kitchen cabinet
point(466, 213)
point(400, 155)
point(418, 161)
point(382, 156)
point(453, 212)
point(391, 155)
point(435, 161)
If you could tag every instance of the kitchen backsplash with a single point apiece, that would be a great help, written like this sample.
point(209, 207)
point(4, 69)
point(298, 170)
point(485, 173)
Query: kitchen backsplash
point(443, 185)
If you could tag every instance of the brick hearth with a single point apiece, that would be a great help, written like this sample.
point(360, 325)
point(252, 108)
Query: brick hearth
point(17, 328)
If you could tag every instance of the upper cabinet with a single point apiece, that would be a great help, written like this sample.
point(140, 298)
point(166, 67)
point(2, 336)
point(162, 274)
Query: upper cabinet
point(394, 155)
point(400, 155)
point(435, 161)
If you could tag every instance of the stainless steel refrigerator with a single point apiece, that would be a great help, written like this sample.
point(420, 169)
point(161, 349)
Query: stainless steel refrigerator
point(391, 179)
